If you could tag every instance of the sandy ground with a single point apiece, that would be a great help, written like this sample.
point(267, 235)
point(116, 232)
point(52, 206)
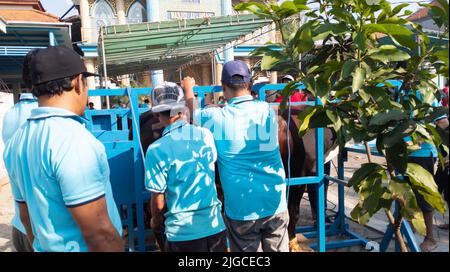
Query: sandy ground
point(373, 232)
point(6, 214)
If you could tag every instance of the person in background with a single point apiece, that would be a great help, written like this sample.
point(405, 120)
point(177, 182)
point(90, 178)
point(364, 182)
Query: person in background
point(297, 96)
point(58, 170)
point(249, 162)
point(426, 157)
point(91, 106)
point(445, 95)
point(14, 118)
point(442, 176)
point(180, 176)
point(222, 100)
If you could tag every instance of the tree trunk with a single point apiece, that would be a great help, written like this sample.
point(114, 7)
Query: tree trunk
point(397, 223)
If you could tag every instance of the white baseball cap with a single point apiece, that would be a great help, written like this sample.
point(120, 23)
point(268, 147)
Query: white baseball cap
point(167, 97)
point(288, 77)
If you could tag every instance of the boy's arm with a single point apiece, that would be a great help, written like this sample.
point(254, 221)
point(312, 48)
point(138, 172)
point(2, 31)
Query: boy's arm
point(157, 205)
point(25, 218)
point(188, 84)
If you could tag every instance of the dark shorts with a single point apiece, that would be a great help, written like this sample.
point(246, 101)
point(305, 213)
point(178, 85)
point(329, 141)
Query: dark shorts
point(428, 164)
point(442, 181)
point(213, 243)
point(20, 241)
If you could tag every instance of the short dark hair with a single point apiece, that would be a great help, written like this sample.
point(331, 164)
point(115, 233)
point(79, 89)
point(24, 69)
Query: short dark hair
point(239, 86)
point(26, 71)
point(54, 87)
point(165, 114)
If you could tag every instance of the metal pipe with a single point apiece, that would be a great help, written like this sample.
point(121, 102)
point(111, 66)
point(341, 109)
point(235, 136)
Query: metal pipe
point(105, 73)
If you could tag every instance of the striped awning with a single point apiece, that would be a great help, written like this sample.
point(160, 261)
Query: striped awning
point(170, 44)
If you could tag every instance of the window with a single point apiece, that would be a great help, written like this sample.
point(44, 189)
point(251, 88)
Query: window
point(136, 13)
point(177, 15)
point(103, 14)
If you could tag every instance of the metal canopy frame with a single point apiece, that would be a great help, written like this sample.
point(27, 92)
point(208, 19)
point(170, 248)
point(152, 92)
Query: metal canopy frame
point(169, 44)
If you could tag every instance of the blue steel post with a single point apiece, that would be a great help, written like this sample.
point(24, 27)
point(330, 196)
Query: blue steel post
point(52, 39)
point(138, 172)
point(153, 16)
point(320, 187)
point(320, 190)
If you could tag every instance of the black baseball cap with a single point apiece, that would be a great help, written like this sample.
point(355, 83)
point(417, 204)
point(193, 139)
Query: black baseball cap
point(236, 68)
point(56, 62)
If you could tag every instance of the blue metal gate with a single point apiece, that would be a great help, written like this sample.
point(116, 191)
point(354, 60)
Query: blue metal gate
point(111, 127)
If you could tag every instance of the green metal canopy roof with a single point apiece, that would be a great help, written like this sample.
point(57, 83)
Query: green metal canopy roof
point(169, 44)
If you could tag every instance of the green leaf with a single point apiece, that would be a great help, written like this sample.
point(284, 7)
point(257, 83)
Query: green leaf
point(256, 8)
point(325, 29)
point(364, 95)
point(269, 62)
point(358, 79)
point(385, 117)
point(397, 156)
point(389, 29)
point(322, 87)
point(360, 214)
point(419, 223)
point(348, 67)
point(398, 8)
point(442, 55)
point(423, 182)
point(305, 41)
point(402, 130)
point(388, 53)
point(304, 119)
point(343, 15)
point(335, 119)
point(360, 40)
point(365, 170)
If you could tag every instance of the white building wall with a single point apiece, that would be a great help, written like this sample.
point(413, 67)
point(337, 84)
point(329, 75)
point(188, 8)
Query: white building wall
point(200, 6)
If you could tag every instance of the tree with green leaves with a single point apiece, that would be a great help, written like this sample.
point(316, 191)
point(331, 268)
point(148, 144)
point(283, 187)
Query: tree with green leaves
point(339, 50)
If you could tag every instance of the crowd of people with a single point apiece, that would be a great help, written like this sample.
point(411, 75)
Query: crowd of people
point(59, 172)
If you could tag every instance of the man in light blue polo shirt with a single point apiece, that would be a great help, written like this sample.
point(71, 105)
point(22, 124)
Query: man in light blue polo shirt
point(12, 120)
point(250, 166)
point(58, 171)
point(180, 175)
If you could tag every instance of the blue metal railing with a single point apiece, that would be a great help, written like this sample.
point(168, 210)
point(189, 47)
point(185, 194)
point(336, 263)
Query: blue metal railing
point(16, 51)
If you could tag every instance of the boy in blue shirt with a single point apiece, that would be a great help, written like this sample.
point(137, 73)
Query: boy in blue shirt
point(180, 176)
point(14, 118)
point(250, 167)
point(59, 172)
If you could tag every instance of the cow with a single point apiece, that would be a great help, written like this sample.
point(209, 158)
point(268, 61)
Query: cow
point(302, 163)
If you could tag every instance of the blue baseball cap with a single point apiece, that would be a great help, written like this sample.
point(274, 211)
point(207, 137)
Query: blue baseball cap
point(236, 68)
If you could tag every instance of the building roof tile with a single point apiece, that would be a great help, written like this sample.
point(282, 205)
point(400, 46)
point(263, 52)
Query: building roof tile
point(31, 15)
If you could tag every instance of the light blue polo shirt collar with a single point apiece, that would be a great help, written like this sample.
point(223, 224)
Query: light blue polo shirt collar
point(174, 126)
point(240, 99)
point(27, 96)
point(46, 112)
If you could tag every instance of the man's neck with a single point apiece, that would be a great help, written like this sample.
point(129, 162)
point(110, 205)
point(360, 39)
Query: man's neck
point(239, 93)
point(173, 120)
point(63, 101)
